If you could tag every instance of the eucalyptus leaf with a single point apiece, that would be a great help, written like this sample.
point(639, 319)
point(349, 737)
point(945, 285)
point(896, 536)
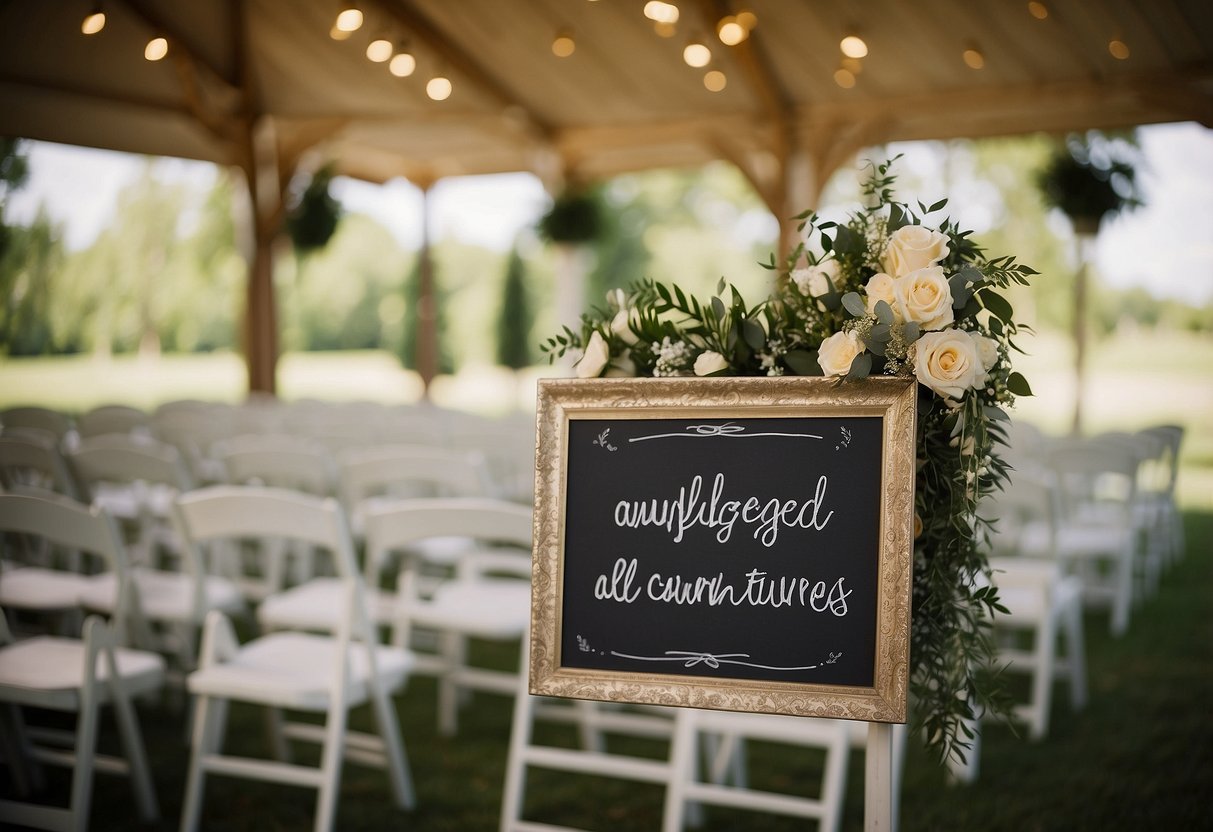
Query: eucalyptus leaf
point(884, 312)
point(971, 274)
point(960, 291)
point(853, 303)
point(718, 308)
point(881, 333)
point(910, 331)
point(720, 286)
point(860, 366)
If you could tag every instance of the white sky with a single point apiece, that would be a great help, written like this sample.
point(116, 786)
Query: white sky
point(1166, 246)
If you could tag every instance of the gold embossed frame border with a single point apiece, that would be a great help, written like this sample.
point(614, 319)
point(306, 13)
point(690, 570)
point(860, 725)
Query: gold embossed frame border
point(562, 401)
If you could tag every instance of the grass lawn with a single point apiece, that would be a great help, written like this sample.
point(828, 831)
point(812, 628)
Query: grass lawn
point(1140, 757)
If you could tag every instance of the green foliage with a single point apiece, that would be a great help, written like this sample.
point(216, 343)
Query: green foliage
point(1091, 177)
point(514, 325)
point(574, 218)
point(28, 266)
point(881, 293)
point(312, 219)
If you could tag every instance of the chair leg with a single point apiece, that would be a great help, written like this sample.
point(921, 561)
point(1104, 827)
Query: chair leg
point(15, 745)
point(86, 728)
point(453, 650)
point(399, 773)
point(1042, 679)
point(209, 718)
point(330, 767)
point(1076, 656)
point(1122, 601)
point(682, 770)
point(132, 743)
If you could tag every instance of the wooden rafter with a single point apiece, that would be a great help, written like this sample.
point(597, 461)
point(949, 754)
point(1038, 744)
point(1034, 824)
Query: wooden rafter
point(420, 26)
point(95, 93)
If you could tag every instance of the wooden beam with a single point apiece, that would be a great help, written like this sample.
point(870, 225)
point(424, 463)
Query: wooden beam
point(85, 90)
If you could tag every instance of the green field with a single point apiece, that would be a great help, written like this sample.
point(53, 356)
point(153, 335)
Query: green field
point(1133, 381)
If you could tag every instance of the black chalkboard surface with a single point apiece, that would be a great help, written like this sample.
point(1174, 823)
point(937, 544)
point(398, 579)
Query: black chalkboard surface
point(741, 548)
point(742, 544)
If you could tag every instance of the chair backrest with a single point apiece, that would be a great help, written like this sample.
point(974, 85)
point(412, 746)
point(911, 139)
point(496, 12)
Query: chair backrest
point(122, 458)
point(112, 418)
point(42, 418)
point(1025, 514)
point(235, 512)
point(278, 460)
point(410, 471)
point(393, 525)
point(1172, 438)
point(64, 522)
point(31, 458)
point(1090, 471)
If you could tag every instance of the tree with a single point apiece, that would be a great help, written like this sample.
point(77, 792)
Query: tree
point(514, 325)
point(14, 172)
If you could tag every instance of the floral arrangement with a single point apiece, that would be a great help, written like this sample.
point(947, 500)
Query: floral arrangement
point(882, 293)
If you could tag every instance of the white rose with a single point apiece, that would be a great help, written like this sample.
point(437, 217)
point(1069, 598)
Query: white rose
point(925, 296)
point(617, 298)
point(987, 349)
point(621, 326)
point(948, 362)
point(817, 281)
point(710, 362)
point(913, 247)
point(881, 287)
point(595, 359)
point(838, 351)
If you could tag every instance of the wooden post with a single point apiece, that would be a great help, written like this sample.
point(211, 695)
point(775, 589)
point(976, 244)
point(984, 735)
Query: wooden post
point(1086, 239)
point(265, 185)
point(878, 802)
point(427, 305)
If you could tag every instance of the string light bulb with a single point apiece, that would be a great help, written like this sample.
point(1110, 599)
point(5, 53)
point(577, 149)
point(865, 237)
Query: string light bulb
point(660, 12)
point(1038, 10)
point(730, 31)
point(746, 19)
point(715, 80)
point(1118, 49)
point(696, 54)
point(438, 88)
point(403, 64)
point(844, 78)
point(853, 46)
point(379, 50)
point(349, 19)
point(973, 58)
point(665, 30)
point(564, 45)
point(94, 22)
point(156, 49)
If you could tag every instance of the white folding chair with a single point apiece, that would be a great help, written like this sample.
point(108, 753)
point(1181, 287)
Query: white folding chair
point(112, 418)
point(46, 419)
point(1096, 534)
point(281, 461)
point(1170, 521)
point(31, 458)
point(1046, 605)
point(135, 478)
point(292, 670)
point(75, 675)
point(488, 597)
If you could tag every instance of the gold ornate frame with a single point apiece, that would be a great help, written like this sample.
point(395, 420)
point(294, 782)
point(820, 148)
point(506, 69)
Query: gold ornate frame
point(893, 399)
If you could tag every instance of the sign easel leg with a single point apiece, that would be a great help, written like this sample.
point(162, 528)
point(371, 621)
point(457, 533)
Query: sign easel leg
point(878, 799)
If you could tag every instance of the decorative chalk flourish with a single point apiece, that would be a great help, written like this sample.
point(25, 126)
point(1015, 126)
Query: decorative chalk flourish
point(728, 431)
point(602, 440)
point(845, 442)
point(691, 658)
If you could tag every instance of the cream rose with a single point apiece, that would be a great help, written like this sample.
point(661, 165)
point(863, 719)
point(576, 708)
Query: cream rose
point(838, 351)
point(948, 362)
point(924, 296)
point(881, 287)
point(987, 349)
point(710, 362)
point(617, 298)
point(594, 360)
point(913, 247)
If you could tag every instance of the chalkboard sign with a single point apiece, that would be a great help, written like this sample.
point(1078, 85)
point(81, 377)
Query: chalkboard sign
point(741, 544)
